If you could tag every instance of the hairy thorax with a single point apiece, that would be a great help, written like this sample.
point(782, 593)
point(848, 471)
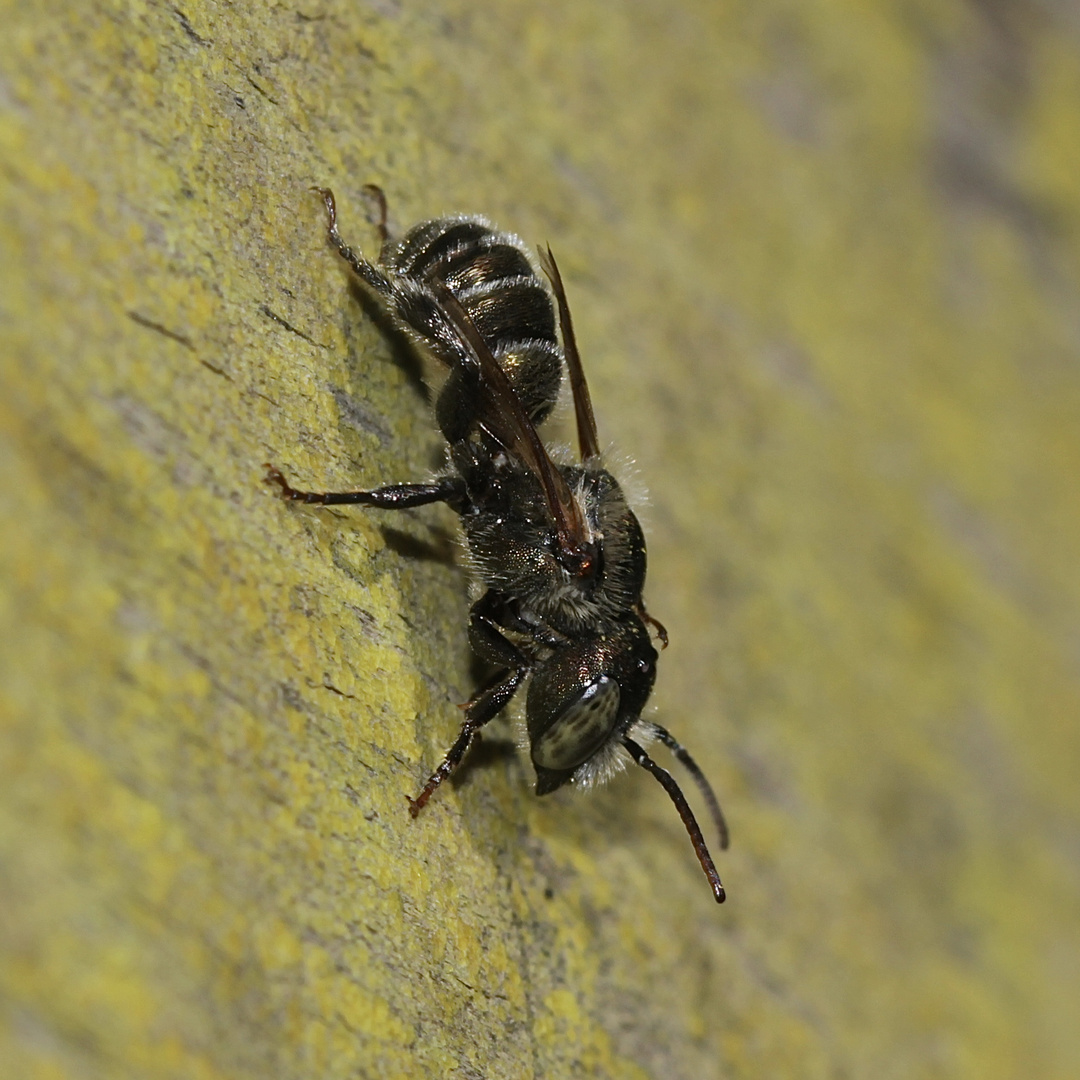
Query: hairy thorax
point(517, 553)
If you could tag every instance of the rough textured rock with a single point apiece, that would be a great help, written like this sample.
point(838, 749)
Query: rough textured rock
point(824, 265)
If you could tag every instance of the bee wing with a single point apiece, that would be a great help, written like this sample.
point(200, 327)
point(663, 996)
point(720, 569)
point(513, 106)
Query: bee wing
point(507, 421)
point(583, 410)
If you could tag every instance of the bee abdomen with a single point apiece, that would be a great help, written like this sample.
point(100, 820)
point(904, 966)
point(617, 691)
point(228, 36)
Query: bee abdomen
point(535, 371)
point(491, 276)
point(482, 263)
point(486, 270)
point(516, 308)
point(429, 243)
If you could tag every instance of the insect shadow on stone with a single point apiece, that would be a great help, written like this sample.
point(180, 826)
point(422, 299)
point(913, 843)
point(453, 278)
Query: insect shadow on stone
point(559, 551)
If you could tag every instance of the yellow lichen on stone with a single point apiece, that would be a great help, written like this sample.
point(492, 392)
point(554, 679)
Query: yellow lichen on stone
point(823, 267)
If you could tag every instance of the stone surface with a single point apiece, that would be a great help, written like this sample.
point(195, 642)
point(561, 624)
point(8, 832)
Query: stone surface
point(823, 261)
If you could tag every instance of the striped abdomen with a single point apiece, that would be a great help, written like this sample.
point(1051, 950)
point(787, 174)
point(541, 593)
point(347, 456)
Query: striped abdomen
point(491, 277)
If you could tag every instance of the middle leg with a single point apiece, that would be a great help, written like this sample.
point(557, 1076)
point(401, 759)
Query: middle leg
point(450, 489)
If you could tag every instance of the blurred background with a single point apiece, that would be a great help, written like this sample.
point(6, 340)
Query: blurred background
point(823, 261)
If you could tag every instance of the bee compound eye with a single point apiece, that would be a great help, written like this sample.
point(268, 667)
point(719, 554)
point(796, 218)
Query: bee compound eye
point(580, 729)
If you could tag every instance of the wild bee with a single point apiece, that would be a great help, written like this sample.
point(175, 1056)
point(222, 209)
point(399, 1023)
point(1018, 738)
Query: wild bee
point(557, 548)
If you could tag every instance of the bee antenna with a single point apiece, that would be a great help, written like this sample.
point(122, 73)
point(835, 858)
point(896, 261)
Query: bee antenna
point(703, 784)
point(667, 781)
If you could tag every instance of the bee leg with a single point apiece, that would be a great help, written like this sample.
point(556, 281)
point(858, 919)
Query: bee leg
point(363, 269)
point(457, 406)
point(486, 638)
point(656, 624)
point(450, 489)
point(484, 705)
point(377, 194)
point(494, 608)
point(414, 307)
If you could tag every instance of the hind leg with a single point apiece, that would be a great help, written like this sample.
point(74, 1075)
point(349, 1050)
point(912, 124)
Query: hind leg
point(377, 194)
point(365, 270)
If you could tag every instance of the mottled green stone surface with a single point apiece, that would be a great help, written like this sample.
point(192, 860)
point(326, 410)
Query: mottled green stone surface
point(824, 260)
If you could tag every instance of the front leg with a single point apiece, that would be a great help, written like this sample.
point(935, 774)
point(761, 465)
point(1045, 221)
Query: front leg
point(449, 489)
point(489, 643)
